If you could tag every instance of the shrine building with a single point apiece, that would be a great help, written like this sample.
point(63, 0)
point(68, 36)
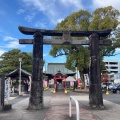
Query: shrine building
point(59, 76)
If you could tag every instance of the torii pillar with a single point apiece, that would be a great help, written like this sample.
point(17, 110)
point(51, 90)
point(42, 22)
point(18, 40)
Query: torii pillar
point(95, 94)
point(36, 97)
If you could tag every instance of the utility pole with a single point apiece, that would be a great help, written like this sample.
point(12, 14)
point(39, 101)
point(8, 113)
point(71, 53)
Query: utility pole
point(20, 60)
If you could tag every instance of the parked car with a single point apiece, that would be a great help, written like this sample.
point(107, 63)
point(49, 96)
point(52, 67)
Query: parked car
point(111, 86)
point(104, 85)
point(116, 88)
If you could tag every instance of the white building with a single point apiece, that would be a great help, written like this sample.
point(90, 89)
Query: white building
point(112, 66)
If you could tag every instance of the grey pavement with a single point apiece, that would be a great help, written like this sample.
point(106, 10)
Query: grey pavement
point(56, 107)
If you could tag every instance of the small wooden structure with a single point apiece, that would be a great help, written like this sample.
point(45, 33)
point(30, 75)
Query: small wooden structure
point(14, 75)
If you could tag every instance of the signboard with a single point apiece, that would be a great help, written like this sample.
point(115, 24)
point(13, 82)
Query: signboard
point(7, 90)
point(86, 78)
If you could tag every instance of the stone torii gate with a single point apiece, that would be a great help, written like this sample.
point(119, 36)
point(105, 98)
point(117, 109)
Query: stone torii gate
point(95, 91)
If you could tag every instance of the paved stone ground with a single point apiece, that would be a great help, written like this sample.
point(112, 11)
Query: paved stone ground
point(59, 109)
point(56, 107)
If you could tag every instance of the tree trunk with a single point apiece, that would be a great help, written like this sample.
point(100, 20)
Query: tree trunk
point(95, 91)
point(36, 94)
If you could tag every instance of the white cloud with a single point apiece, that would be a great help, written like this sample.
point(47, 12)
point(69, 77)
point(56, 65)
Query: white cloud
point(20, 11)
point(44, 54)
point(12, 42)
point(36, 3)
point(52, 8)
point(59, 20)
point(30, 17)
point(117, 49)
point(41, 25)
point(2, 51)
point(104, 3)
point(7, 38)
point(76, 3)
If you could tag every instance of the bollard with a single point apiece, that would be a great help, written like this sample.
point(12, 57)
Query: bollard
point(107, 92)
point(77, 108)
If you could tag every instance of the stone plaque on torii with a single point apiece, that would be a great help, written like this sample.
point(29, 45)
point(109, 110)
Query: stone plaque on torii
point(95, 91)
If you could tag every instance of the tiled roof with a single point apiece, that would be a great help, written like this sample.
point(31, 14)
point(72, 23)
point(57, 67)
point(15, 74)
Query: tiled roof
point(53, 68)
point(15, 73)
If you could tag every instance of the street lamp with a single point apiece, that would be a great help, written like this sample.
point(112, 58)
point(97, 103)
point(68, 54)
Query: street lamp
point(20, 60)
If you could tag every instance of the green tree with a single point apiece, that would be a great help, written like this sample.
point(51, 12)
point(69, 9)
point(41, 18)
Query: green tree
point(104, 18)
point(101, 18)
point(116, 39)
point(76, 21)
point(10, 61)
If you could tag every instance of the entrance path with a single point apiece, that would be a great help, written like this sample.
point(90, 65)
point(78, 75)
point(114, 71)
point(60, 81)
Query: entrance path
point(59, 108)
point(56, 107)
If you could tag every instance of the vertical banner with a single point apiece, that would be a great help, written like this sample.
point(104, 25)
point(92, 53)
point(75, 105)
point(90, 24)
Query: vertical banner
point(86, 78)
point(7, 90)
point(30, 80)
point(1, 92)
point(45, 83)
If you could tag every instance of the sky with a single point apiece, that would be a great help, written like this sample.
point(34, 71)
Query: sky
point(42, 14)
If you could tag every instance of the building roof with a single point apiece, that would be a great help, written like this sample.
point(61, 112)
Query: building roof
point(53, 68)
point(15, 73)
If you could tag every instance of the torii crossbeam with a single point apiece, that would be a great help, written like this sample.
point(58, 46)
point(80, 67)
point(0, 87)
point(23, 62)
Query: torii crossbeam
point(66, 36)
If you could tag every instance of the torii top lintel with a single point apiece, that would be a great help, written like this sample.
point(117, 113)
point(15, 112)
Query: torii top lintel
point(31, 31)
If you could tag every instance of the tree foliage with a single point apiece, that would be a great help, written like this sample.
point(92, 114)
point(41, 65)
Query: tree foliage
point(76, 21)
point(104, 18)
point(10, 61)
point(101, 18)
point(116, 39)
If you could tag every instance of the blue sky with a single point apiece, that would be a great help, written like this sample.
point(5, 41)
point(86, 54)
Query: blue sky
point(43, 14)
